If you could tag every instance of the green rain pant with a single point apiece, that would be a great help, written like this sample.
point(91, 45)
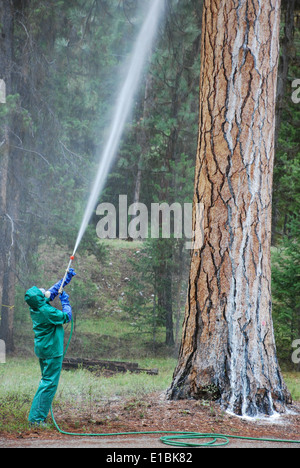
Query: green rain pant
point(51, 369)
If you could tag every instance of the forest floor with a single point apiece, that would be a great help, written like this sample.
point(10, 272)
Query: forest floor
point(156, 414)
point(86, 403)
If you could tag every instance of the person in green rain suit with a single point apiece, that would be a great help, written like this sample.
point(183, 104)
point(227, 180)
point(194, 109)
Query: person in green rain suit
point(48, 343)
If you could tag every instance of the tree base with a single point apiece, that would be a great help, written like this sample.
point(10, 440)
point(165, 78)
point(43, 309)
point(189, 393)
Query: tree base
point(253, 402)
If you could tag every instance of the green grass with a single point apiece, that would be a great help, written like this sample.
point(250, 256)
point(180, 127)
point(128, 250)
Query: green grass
point(18, 384)
point(112, 337)
point(82, 383)
point(292, 380)
point(19, 379)
point(108, 326)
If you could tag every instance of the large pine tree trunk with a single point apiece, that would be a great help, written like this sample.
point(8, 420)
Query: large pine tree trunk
point(228, 349)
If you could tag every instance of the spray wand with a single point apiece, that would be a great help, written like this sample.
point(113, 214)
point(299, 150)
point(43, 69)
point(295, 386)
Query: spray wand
point(65, 277)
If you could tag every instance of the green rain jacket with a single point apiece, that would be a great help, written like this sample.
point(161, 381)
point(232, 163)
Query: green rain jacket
point(47, 325)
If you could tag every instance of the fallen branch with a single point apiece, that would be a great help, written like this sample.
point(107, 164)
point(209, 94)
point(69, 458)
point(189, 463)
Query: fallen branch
point(112, 366)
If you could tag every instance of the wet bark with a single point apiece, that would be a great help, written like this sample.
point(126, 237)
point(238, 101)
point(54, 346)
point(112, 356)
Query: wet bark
point(228, 349)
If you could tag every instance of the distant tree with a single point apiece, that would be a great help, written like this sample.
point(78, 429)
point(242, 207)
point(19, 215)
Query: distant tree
point(285, 117)
point(7, 250)
point(228, 349)
point(286, 273)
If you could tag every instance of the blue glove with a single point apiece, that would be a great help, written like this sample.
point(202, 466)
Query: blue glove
point(69, 277)
point(67, 309)
point(64, 298)
point(54, 290)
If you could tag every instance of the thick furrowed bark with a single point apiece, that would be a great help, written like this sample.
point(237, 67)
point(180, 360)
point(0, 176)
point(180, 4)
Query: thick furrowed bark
point(228, 347)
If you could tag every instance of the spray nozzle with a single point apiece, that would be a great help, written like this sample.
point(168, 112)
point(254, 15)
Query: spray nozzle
point(67, 271)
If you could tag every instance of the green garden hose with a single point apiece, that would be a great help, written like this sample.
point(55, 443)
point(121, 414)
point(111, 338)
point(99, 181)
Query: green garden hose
point(174, 438)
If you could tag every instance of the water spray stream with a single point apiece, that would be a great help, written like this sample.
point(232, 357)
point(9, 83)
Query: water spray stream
point(123, 106)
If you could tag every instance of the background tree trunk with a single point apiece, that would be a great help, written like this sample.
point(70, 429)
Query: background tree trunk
point(6, 254)
point(228, 348)
point(287, 54)
point(288, 50)
point(142, 136)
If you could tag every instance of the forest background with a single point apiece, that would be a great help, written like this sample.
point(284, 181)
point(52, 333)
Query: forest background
point(62, 63)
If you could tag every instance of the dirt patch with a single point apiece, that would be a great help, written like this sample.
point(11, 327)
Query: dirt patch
point(154, 413)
